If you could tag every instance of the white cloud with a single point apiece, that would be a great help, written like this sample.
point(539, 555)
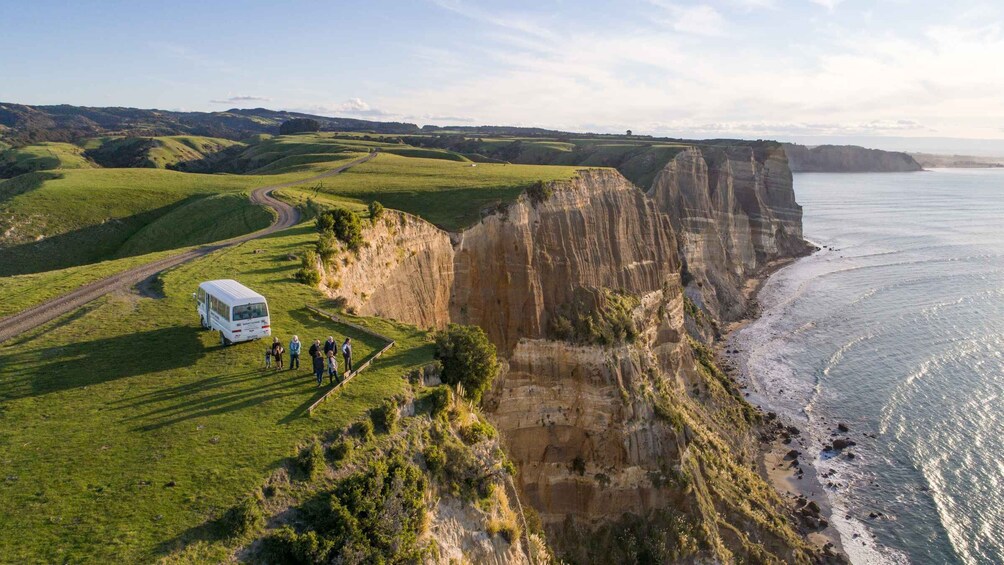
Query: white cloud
point(830, 5)
point(699, 19)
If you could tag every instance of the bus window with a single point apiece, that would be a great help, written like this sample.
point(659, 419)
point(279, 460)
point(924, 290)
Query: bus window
point(250, 311)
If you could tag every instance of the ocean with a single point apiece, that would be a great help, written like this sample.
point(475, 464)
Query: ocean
point(896, 329)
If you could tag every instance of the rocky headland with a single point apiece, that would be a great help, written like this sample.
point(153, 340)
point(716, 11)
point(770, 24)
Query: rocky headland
point(605, 299)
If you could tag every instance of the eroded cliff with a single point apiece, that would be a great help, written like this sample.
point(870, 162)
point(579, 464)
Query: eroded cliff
point(627, 439)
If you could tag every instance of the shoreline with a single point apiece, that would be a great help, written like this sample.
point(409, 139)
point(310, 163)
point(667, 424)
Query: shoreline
point(783, 459)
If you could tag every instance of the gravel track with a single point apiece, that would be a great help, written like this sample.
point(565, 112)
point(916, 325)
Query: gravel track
point(288, 216)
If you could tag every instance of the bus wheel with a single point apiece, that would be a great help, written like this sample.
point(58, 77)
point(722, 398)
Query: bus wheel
point(224, 340)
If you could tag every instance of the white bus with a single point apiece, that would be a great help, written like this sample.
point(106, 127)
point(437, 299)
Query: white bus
point(236, 311)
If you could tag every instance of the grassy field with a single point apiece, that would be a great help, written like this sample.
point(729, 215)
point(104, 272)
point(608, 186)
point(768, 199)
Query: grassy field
point(124, 427)
point(51, 220)
point(24, 291)
point(450, 194)
point(42, 157)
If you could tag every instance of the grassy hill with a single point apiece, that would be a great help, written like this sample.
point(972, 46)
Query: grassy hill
point(153, 152)
point(42, 157)
point(73, 217)
point(125, 427)
point(450, 194)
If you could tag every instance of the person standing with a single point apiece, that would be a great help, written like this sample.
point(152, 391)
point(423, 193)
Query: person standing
point(347, 354)
point(332, 367)
point(277, 351)
point(330, 345)
point(318, 368)
point(268, 358)
point(294, 353)
point(315, 349)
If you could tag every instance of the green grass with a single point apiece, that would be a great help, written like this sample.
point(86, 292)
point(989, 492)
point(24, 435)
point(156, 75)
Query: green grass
point(101, 410)
point(153, 152)
point(24, 291)
point(42, 157)
point(52, 220)
point(449, 194)
point(202, 220)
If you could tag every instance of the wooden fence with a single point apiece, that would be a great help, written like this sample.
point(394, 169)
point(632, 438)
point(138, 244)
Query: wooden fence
point(349, 375)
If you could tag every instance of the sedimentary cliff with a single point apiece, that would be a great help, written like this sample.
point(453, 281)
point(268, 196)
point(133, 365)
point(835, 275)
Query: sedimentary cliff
point(734, 212)
point(627, 439)
point(847, 159)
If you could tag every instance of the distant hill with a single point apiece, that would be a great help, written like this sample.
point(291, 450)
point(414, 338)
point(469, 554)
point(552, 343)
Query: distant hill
point(22, 125)
point(847, 159)
point(929, 160)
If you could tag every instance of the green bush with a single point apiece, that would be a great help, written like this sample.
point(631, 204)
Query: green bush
point(468, 358)
point(343, 224)
point(245, 518)
point(341, 450)
point(376, 210)
point(363, 429)
point(385, 416)
point(435, 459)
point(476, 432)
point(539, 192)
point(372, 516)
point(308, 274)
point(311, 460)
point(440, 401)
point(287, 546)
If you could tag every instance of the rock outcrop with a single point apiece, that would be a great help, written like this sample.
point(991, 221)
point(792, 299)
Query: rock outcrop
point(847, 159)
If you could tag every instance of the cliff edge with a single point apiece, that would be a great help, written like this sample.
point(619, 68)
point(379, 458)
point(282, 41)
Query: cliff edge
point(627, 439)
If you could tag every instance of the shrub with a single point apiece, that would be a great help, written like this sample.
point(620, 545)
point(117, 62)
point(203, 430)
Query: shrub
point(385, 416)
point(579, 465)
point(440, 401)
point(311, 460)
point(376, 210)
point(363, 429)
point(539, 192)
point(341, 450)
point(375, 515)
point(308, 274)
point(468, 358)
point(343, 224)
point(287, 546)
point(245, 518)
point(435, 459)
point(476, 432)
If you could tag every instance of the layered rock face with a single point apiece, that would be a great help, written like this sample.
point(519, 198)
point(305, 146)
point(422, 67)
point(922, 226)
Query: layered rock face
point(405, 272)
point(734, 211)
point(639, 435)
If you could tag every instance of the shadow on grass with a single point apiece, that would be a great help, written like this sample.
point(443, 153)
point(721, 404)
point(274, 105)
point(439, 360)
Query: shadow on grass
point(38, 372)
point(215, 395)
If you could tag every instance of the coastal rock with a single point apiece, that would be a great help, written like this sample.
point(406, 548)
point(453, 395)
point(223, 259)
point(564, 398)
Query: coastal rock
point(841, 427)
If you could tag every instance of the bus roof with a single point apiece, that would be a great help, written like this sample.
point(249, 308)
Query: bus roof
point(231, 292)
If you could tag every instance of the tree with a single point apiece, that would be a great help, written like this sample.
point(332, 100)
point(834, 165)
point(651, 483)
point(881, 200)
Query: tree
point(468, 358)
point(629, 133)
point(299, 125)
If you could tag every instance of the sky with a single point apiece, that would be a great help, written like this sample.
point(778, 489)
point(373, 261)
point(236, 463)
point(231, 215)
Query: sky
point(896, 74)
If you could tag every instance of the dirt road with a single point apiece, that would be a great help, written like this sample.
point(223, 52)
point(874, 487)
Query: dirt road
point(288, 216)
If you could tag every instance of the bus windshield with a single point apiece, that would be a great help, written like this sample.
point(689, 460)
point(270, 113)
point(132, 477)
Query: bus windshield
point(250, 311)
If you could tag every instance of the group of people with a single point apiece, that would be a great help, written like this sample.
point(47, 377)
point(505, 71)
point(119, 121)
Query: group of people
point(320, 356)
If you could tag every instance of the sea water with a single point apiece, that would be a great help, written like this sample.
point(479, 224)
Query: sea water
point(896, 329)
